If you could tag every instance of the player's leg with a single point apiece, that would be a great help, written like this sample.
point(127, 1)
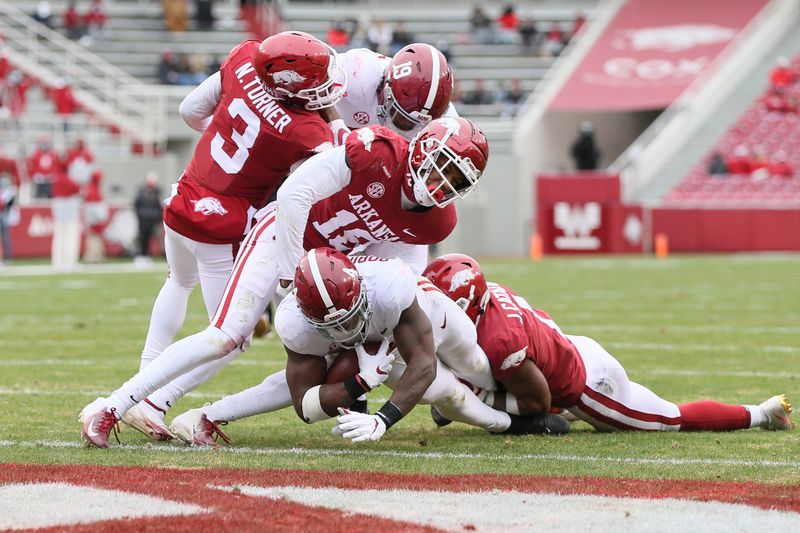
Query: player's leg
point(169, 309)
point(456, 341)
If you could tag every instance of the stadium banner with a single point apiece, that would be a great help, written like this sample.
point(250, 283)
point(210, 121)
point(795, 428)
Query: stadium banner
point(581, 213)
point(651, 51)
point(32, 233)
point(729, 230)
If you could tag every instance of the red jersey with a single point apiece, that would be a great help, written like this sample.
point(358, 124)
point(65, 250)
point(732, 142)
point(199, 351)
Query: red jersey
point(253, 139)
point(243, 156)
point(369, 208)
point(510, 331)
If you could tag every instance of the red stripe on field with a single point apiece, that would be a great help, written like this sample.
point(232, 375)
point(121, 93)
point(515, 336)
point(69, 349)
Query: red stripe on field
point(236, 512)
point(627, 411)
point(238, 266)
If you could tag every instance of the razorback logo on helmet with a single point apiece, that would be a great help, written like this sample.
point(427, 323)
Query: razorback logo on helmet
point(461, 279)
point(366, 136)
point(287, 77)
point(209, 206)
point(352, 272)
point(453, 126)
point(375, 189)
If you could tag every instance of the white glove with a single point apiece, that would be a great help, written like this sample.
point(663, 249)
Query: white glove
point(359, 427)
point(374, 369)
point(282, 291)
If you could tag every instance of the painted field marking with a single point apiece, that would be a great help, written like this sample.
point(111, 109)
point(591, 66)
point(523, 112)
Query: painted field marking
point(668, 347)
point(360, 451)
point(672, 328)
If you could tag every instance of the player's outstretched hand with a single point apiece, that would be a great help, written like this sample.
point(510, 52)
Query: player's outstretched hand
point(374, 368)
point(359, 427)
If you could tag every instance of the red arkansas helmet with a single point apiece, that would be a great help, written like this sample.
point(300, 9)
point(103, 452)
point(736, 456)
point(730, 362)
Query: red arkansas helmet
point(445, 161)
point(298, 68)
point(459, 276)
point(416, 89)
point(332, 297)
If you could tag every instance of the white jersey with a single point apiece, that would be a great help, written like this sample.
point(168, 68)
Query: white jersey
point(359, 106)
point(364, 68)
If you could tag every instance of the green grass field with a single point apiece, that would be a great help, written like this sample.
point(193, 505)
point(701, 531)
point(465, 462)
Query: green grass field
point(690, 328)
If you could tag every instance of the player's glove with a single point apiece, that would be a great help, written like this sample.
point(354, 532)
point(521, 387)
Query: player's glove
point(359, 427)
point(283, 291)
point(374, 369)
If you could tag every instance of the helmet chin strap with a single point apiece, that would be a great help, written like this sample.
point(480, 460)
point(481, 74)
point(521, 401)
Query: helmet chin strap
point(421, 195)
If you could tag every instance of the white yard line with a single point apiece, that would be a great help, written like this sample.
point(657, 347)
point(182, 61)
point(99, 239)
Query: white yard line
point(669, 347)
point(361, 451)
point(672, 328)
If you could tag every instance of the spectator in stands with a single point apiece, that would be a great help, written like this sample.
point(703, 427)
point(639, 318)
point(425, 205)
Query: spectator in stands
point(95, 216)
point(740, 161)
point(64, 100)
point(79, 162)
point(480, 26)
point(379, 35)
point(759, 163)
point(780, 100)
point(72, 22)
point(168, 71)
point(176, 15)
point(716, 165)
point(204, 14)
point(44, 166)
point(555, 41)
point(584, 151)
point(512, 100)
point(44, 13)
point(782, 75)
point(530, 38)
point(479, 95)
point(577, 24)
point(96, 18)
point(15, 98)
point(444, 47)
point(66, 209)
point(400, 37)
point(779, 166)
point(8, 212)
point(507, 26)
point(9, 168)
point(337, 37)
point(149, 208)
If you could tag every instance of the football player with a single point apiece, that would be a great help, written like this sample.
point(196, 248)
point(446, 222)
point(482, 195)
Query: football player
point(260, 116)
point(542, 367)
point(378, 194)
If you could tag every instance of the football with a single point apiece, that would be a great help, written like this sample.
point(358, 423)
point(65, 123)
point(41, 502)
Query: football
point(346, 363)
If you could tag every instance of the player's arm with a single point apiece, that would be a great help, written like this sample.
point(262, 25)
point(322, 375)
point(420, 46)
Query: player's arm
point(197, 109)
point(321, 176)
point(414, 255)
point(529, 386)
point(313, 399)
point(413, 337)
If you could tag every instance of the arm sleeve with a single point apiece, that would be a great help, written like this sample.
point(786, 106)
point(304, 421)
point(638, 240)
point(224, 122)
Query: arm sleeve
point(199, 105)
point(318, 178)
point(414, 255)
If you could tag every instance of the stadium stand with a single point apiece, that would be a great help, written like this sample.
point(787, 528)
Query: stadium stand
point(768, 139)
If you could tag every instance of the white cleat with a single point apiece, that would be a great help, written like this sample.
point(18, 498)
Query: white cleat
point(149, 421)
point(777, 411)
point(95, 406)
point(183, 426)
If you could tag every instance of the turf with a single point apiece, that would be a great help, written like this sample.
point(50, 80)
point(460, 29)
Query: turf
point(688, 327)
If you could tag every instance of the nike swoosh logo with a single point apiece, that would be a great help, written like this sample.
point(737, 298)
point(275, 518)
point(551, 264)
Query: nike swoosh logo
point(407, 232)
point(444, 324)
point(134, 400)
point(91, 432)
point(379, 371)
point(384, 331)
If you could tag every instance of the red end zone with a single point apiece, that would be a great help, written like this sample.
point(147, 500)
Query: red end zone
point(236, 511)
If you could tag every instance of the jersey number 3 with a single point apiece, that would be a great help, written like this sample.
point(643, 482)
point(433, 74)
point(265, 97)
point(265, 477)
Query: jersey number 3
point(243, 141)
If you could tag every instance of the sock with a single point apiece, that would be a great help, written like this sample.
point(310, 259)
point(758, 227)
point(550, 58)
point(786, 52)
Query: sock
point(269, 395)
point(757, 416)
point(713, 416)
point(167, 396)
point(166, 319)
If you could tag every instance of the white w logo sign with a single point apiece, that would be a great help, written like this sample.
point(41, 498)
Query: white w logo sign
point(577, 222)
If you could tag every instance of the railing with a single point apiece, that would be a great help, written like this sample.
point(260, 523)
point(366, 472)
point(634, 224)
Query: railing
point(102, 89)
point(648, 154)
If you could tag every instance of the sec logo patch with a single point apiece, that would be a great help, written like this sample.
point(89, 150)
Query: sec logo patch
point(375, 189)
point(361, 117)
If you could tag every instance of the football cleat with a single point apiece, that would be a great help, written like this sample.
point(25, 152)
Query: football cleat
point(97, 426)
point(148, 420)
point(183, 426)
point(549, 424)
point(207, 431)
point(438, 418)
point(263, 326)
point(777, 411)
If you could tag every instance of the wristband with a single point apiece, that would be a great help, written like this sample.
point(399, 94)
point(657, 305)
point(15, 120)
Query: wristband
point(390, 414)
point(355, 386)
